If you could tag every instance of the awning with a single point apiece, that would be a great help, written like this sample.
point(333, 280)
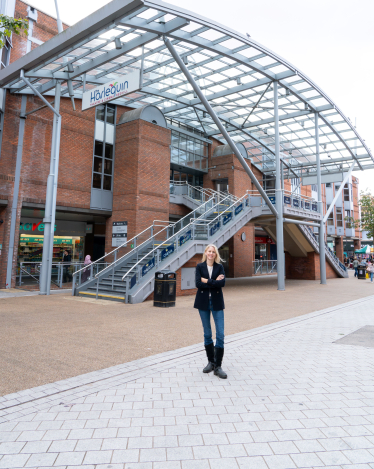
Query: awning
point(235, 73)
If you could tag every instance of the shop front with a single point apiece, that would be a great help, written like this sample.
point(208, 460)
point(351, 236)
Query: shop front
point(265, 249)
point(69, 236)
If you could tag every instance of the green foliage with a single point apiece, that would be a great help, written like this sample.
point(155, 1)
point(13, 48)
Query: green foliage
point(366, 222)
point(10, 25)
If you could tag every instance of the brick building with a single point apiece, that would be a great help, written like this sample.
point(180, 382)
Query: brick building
point(118, 164)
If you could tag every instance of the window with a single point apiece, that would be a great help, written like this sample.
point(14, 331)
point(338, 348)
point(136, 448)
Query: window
point(348, 215)
point(346, 192)
point(5, 52)
point(330, 220)
point(328, 184)
point(295, 185)
point(339, 217)
point(103, 150)
point(268, 182)
point(314, 187)
point(188, 151)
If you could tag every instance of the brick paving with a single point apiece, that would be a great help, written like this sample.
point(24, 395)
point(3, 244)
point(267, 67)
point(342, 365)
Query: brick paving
point(293, 399)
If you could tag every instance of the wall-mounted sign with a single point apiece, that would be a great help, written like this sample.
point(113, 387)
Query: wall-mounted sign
point(35, 226)
point(119, 233)
point(111, 90)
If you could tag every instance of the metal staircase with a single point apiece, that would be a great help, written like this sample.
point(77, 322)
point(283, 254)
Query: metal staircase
point(332, 259)
point(130, 276)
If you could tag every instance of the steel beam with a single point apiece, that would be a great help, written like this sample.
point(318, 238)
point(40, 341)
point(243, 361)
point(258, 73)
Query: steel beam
point(300, 222)
point(13, 217)
point(322, 254)
point(37, 93)
point(278, 197)
point(339, 192)
point(50, 202)
point(219, 124)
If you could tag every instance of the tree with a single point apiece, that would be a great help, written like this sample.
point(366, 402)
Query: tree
point(10, 25)
point(366, 221)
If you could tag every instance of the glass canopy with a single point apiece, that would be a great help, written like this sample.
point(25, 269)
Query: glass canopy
point(235, 73)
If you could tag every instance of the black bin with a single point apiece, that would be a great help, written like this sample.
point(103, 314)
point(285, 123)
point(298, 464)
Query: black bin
point(362, 271)
point(165, 289)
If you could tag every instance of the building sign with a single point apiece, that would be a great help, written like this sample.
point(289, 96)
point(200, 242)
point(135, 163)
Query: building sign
point(167, 252)
point(183, 239)
point(119, 233)
point(287, 200)
point(34, 239)
point(227, 218)
point(111, 90)
point(215, 228)
point(238, 209)
point(263, 240)
point(35, 226)
point(148, 266)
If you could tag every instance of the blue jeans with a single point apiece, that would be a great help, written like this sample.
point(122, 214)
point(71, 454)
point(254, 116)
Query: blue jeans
point(356, 271)
point(371, 276)
point(219, 323)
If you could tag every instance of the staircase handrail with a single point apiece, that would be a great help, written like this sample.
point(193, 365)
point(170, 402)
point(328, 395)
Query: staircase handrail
point(204, 190)
point(150, 238)
point(307, 230)
point(222, 213)
point(166, 241)
point(155, 249)
point(119, 247)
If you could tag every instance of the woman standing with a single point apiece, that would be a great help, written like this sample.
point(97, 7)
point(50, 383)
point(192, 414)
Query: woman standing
point(210, 278)
point(87, 270)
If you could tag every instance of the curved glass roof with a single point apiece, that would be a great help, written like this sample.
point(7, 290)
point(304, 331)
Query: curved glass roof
point(235, 73)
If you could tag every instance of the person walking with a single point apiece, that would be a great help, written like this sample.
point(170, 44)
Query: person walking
point(66, 259)
point(355, 266)
point(370, 269)
point(210, 278)
point(86, 271)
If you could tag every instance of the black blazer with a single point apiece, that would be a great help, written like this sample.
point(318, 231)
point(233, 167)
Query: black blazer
point(213, 286)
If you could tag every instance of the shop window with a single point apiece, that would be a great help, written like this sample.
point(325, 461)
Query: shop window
point(339, 217)
point(348, 216)
point(103, 150)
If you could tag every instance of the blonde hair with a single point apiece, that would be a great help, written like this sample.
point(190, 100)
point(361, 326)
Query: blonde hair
point(217, 259)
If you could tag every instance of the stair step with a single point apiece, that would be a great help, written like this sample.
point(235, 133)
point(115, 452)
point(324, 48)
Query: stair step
point(103, 296)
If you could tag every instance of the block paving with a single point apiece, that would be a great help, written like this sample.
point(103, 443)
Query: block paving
point(293, 399)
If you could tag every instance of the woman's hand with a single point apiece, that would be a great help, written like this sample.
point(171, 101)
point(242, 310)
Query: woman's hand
point(220, 277)
point(204, 280)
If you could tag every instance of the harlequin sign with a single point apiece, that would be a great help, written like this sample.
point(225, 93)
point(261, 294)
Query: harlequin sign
point(167, 252)
point(148, 266)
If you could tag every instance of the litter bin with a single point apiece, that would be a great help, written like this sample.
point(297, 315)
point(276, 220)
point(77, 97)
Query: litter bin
point(362, 271)
point(165, 289)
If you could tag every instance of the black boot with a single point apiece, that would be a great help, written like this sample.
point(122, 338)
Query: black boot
point(210, 354)
point(218, 355)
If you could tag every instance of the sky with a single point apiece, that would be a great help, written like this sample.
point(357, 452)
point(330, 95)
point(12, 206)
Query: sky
point(331, 41)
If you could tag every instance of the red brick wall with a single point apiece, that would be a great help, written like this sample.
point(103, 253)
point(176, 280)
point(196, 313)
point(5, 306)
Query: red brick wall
point(306, 268)
point(141, 182)
point(339, 248)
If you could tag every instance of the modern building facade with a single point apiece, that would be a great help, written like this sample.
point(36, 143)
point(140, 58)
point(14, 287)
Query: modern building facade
point(125, 163)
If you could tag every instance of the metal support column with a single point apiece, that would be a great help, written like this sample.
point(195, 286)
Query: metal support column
point(218, 123)
point(278, 197)
point(322, 253)
point(50, 202)
point(13, 218)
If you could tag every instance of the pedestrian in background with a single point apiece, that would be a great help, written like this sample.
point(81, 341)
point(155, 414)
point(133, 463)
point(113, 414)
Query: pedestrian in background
point(87, 270)
point(210, 278)
point(370, 269)
point(66, 259)
point(355, 266)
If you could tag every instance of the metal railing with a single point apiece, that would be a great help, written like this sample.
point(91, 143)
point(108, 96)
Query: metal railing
point(329, 253)
point(301, 202)
point(60, 271)
point(226, 214)
point(264, 267)
point(152, 242)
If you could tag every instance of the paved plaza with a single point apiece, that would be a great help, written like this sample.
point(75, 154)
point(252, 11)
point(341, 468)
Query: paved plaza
point(296, 397)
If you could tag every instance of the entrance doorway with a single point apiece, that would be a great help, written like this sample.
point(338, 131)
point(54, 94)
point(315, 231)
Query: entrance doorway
point(222, 185)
